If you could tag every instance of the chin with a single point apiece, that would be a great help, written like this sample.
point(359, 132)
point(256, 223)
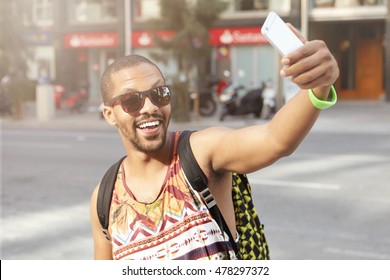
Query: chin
point(150, 144)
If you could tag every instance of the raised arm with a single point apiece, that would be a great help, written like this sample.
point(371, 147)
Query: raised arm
point(248, 149)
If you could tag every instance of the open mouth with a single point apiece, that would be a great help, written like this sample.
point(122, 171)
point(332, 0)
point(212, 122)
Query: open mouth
point(149, 125)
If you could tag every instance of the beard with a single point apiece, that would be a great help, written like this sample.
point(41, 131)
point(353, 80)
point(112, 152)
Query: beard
point(145, 144)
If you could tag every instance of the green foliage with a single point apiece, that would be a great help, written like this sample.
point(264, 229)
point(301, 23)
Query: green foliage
point(180, 101)
point(189, 47)
point(13, 50)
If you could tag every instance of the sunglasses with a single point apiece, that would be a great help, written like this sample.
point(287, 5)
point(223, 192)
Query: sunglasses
point(134, 101)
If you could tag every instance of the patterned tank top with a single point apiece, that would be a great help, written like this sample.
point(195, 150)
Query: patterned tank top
point(177, 225)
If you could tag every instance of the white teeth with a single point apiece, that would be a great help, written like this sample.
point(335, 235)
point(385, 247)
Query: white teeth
point(149, 124)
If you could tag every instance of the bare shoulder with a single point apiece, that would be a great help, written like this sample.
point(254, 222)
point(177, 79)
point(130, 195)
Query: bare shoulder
point(212, 135)
point(102, 247)
point(204, 144)
point(93, 201)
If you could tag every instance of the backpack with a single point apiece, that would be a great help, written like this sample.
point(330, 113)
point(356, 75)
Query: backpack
point(251, 244)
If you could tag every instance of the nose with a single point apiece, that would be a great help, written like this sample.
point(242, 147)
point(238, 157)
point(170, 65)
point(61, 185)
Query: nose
point(148, 107)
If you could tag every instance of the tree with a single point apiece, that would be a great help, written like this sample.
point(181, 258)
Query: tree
point(189, 48)
point(14, 52)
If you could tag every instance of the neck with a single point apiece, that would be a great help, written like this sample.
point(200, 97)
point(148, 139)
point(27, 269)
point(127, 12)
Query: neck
point(144, 163)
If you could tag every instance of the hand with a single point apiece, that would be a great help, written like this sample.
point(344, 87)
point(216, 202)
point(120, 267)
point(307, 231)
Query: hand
point(311, 66)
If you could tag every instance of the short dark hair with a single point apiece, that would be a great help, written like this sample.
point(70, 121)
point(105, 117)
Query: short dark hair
point(124, 62)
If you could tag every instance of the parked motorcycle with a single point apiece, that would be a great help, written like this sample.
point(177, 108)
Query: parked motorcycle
point(75, 101)
point(207, 102)
point(238, 101)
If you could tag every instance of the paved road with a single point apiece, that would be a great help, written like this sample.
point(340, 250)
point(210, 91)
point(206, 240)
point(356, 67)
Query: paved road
point(329, 200)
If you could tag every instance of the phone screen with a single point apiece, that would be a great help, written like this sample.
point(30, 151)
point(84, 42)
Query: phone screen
point(279, 35)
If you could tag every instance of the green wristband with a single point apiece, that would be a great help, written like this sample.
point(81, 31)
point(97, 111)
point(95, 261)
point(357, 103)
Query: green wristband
point(323, 104)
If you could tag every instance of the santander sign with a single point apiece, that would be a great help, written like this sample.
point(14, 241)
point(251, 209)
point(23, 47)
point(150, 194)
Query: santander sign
point(91, 40)
point(236, 36)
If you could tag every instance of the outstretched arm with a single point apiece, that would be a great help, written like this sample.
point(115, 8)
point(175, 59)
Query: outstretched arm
point(246, 150)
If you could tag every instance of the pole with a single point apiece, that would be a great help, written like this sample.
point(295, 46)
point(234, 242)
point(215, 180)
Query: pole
point(127, 22)
point(387, 54)
point(305, 19)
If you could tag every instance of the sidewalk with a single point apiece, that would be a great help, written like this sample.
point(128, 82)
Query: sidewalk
point(354, 116)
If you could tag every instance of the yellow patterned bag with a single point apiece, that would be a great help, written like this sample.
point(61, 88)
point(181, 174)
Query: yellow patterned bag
point(252, 244)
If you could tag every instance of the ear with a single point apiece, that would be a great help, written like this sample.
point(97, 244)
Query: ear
point(108, 113)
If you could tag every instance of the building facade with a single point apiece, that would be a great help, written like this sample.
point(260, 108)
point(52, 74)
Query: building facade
point(79, 38)
point(355, 32)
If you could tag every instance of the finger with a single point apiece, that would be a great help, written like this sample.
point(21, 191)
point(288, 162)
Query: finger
point(319, 81)
point(296, 32)
point(322, 74)
point(309, 78)
point(307, 50)
point(314, 52)
point(299, 67)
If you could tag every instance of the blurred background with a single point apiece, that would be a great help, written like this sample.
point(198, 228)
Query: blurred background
point(53, 53)
point(201, 46)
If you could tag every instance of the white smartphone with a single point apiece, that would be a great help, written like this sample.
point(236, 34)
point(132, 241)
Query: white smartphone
point(280, 35)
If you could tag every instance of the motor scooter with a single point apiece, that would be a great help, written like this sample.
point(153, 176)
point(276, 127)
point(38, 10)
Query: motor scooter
point(207, 102)
point(236, 100)
point(75, 100)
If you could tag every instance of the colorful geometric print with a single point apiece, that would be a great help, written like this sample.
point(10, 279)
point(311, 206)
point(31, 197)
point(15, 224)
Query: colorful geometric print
point(177, 225)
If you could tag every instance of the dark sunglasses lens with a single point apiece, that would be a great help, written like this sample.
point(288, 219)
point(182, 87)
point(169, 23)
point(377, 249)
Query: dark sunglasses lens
point(161, 96)
point(131, 102)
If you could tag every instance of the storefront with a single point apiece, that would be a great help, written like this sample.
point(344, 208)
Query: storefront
point(354, 31)
point(240, 54)
point(43, 64)
point(90, 53)
point(243, 56)
point(142, 43)
point(359, 51)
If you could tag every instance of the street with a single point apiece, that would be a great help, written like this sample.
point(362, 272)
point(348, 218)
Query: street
point(329, 200)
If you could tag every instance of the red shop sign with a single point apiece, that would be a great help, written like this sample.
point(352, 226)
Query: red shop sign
point(236, 36)
point(91, 40)
point(144, 39)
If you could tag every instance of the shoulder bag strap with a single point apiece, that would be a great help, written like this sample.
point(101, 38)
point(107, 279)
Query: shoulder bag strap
point(198, 181)
point(106, 188)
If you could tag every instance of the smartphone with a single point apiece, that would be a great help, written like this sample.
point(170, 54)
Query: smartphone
point(280, 35)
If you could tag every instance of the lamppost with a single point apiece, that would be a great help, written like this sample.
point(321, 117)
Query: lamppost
point(305, 19)
point(387, 53)
point(127, 27)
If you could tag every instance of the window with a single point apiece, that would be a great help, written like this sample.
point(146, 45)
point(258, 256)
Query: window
point(323, 3)
point(245, 5)
point(42, 12)
point(90, 11)
point(355, 3)
point(347, 3)
point(146, 9)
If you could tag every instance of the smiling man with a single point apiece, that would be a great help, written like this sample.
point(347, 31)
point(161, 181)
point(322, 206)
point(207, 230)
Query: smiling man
point(154, 213)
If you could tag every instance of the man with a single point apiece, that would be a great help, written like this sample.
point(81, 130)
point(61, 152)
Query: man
point(154, 213)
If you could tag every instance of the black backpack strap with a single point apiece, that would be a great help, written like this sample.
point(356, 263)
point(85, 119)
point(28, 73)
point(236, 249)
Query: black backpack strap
point(105, 195)
point(198, 180)
point(190, 166)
